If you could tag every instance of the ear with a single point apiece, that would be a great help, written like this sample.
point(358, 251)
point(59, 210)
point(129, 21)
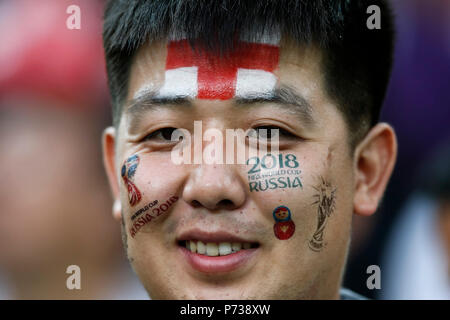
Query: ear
point(109, 161)
point(374, 161)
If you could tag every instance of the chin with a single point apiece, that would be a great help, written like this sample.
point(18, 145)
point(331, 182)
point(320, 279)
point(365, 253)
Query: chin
point(209, 291)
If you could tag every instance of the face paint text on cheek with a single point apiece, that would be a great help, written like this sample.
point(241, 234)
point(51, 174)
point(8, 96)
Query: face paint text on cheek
point(279, 178)
point(142, 210)
point(284, 227)
point(326, 200)
point(128, 170)
point(156, 212)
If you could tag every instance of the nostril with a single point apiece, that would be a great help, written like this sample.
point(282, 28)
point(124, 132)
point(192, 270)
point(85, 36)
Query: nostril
point(196, 204)
point(228, 204)
point(222, 204)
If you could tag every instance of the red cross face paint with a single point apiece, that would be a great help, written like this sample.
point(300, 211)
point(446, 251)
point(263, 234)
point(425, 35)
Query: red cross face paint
point(284, 227)
point(128, 170)
point(248, 70)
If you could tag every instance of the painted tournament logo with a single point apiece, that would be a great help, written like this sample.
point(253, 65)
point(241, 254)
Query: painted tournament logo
point(128, 171)
point(284, 227)
point(326, 199)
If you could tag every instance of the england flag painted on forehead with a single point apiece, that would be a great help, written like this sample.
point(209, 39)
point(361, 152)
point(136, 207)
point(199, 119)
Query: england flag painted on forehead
point(248, 70)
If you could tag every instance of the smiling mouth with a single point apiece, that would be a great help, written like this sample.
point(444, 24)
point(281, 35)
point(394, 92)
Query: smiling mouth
point(215, 249)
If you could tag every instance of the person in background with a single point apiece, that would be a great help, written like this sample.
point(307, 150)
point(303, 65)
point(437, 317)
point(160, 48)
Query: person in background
point(417, 260)
point(54, 200)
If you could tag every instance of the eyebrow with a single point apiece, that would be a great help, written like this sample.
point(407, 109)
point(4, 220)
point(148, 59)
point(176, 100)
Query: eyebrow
point(150, 100)
point(283, 95)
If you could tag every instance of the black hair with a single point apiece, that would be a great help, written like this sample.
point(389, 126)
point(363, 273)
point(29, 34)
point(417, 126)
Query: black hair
point(356, 60)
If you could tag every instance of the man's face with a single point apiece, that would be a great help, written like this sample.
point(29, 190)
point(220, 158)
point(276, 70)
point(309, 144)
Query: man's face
point(200, 231)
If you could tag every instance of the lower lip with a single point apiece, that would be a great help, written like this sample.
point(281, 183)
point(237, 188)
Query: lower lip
point(219, 264)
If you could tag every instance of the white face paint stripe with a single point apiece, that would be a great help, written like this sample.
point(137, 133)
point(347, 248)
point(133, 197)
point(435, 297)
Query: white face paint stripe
point(254, 82)
point(180, 82)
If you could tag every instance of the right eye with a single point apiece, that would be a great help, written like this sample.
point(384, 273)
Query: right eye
point(265, 132)
point(162, 135)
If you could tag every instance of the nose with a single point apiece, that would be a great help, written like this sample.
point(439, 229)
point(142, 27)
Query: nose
point(214, 187)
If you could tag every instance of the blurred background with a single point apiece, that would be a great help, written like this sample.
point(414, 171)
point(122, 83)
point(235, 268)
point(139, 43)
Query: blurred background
point(55, 204)
point(408, 238)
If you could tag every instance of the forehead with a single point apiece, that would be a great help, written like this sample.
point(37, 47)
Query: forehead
point(173, 68)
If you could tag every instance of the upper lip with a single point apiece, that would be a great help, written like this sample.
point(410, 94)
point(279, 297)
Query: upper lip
point(216, 236)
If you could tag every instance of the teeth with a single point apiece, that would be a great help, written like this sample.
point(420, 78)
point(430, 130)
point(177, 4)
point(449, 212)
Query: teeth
point(213, 249)
point(236, 246)
point(224, 248)
point(193, 246)
point(201, 248)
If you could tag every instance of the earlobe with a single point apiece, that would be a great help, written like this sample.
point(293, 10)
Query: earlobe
point(109, 153)
point(374, 161)
point(117, 210)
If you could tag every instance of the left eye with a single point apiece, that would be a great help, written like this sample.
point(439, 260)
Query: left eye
point(164, 135)
point(269, 132)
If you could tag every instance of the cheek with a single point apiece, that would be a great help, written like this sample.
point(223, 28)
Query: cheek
point(158, 178)
point(292, 181)
point(158, 181)
point(281, 179)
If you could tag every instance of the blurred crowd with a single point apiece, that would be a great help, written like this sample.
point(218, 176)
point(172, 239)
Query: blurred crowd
point(55, 205)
